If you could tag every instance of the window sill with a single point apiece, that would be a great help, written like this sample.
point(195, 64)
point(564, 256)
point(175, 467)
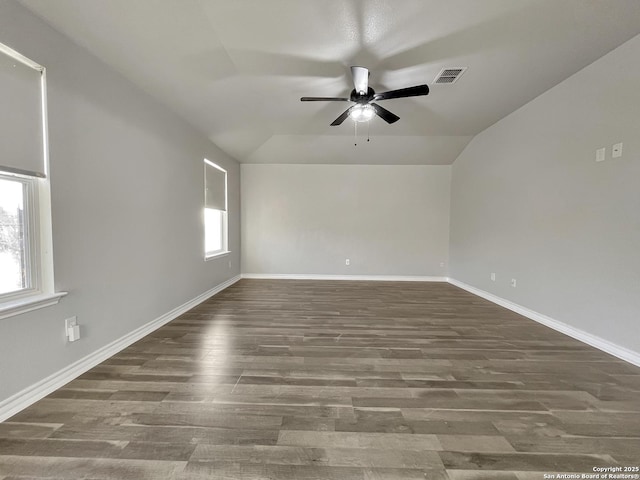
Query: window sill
point(216, 255)
point(27, 304)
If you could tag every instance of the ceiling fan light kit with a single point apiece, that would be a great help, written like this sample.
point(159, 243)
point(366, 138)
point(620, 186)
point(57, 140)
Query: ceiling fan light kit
point(362, 113)
point(363, 96)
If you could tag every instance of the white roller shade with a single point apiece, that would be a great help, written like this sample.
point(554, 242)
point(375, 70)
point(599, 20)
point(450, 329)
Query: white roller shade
point(21, 126)
point(215, 195)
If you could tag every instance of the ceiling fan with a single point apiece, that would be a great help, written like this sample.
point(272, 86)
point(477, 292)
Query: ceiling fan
point(363, 96)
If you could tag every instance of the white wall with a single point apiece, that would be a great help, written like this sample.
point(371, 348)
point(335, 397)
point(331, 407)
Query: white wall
point(530, 202)
point(127, 197)
point(307, 219)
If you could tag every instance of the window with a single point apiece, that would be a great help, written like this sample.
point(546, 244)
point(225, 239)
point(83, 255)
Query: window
point(18, 254)
point(26, 265)
point(215, 210)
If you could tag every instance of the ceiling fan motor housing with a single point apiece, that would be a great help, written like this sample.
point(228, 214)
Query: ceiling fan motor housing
point(362, 99)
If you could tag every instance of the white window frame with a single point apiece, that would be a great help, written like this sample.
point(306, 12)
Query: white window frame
point(32, 242)
point(224, 217)
point(37, 209)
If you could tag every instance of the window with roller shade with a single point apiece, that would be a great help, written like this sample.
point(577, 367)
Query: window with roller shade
point(215, 210)
point(26, 267)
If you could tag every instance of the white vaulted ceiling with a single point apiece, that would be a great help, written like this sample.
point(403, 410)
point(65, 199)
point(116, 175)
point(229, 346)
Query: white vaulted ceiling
point(236, 69)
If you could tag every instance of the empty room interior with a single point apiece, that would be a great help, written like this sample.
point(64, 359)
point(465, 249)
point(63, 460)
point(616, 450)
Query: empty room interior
point(319, 239)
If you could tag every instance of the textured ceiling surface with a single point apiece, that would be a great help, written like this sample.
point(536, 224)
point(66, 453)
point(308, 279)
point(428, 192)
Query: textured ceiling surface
point(236, 69)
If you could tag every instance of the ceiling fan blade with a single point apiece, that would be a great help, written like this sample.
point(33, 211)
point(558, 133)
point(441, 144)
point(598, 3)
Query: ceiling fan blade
point(360, 79)
point(385, 114)
point(343, 117)
point(324, 99)
point(403, 92)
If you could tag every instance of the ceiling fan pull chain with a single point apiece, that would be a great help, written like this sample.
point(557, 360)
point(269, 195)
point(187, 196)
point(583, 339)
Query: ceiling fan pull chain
point(355, 134)
point(368, 131)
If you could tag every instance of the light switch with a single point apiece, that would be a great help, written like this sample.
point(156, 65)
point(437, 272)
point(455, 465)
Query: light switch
point(601, 154)
point(617, 150)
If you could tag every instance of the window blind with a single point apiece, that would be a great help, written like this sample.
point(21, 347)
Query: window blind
point(215, 187)
point(21, 125)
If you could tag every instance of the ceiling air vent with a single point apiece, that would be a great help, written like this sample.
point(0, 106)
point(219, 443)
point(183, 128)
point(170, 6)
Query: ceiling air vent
point(449, 75)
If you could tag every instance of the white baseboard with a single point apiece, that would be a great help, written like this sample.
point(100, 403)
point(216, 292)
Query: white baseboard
point(35, 392)
point(379, 278)
point(622, 353)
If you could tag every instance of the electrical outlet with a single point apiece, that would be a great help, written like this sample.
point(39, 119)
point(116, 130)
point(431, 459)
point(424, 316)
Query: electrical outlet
point(229, 264)
point(513, 282)
point(347, 262)
point(72, 329)
point(70, 322)
point(493, 277)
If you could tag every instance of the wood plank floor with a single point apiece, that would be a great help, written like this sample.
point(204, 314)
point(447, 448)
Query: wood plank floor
point(336, 380)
